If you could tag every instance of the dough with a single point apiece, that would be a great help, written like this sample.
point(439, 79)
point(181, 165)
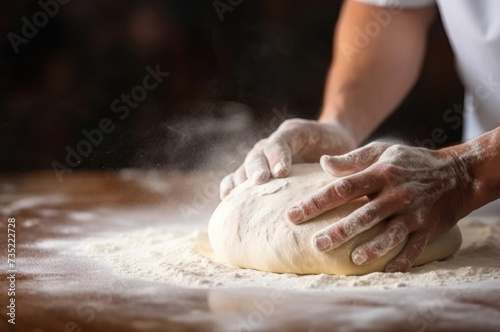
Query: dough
point(249, 230)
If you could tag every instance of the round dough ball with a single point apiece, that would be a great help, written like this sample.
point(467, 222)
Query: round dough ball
point(249, 230)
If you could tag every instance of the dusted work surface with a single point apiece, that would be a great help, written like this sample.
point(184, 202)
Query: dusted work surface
point(78, 269)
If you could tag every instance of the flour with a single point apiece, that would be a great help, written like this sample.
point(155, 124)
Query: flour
point(249, 230)
point(277, 185)
point(179, 258)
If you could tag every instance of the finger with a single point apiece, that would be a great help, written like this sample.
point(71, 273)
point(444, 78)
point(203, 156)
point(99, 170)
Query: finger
point(353, 161)
point(412, 250)
point(337, 193)
point(357, 222)
point(226, 185)
point(395, 233)
point(279, 156)
point(256, 166)
point(240, 176)
point(230, 181)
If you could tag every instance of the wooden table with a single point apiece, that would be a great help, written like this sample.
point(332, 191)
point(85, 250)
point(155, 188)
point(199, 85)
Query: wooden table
point(58, 292)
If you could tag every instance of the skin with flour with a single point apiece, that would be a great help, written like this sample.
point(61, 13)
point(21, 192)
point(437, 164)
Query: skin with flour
point(423, 192)
point(408, 186)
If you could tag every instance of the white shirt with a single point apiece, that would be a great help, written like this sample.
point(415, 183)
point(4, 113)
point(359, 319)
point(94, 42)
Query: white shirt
point(473, 28)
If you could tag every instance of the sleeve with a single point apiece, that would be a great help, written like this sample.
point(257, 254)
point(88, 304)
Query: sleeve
point(399, 3)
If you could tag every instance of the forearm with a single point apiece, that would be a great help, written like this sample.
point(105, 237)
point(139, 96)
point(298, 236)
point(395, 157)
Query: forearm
point(480, 160)
point(366, 84)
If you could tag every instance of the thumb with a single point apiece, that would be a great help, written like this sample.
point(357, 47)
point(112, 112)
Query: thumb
point(354, 161)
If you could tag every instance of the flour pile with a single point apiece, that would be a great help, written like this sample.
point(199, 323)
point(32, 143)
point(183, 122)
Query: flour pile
point(184, 259)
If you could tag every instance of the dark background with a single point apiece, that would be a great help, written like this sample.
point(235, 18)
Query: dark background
point(226, 78)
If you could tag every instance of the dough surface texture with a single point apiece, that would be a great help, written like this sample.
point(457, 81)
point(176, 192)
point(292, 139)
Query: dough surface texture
point(249, 230)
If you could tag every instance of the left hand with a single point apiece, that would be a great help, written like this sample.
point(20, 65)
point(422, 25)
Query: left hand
point(421, 193)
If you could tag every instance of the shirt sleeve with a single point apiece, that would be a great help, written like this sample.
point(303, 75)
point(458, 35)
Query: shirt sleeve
point(399, 3)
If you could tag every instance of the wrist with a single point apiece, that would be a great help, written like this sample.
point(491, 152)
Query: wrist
point(462, 164)
point(478, 173)
point(338, 120)
point(339, 129)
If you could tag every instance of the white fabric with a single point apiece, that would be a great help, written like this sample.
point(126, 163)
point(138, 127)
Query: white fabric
point(473, 28)
point(399, 3)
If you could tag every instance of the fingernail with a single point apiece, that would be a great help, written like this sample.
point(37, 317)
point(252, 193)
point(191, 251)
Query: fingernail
point(259, 177)
point(279, 169)
point(295, 214)
point(323, 243)
point(359, 257)
point(391, 270)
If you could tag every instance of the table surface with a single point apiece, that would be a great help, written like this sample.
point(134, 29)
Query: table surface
point(59, 292)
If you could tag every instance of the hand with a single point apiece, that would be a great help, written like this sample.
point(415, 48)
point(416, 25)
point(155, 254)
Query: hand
point(295, 140)
point(420, 193)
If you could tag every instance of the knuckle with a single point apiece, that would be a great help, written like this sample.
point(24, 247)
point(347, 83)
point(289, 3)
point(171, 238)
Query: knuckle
point(350, 156)
point(376, 144)
point(392, 152)
point(342, 188)
point(395, 149)
point(378, 147)
point(405, 195)
point(388, 171)
point(315, 203)
point(349, 159)
point(311, 206)
point(260, 144)
point(373, 144)
point(290, 124)
point(275, 145)
point(398, 232)
point(330, 193)
point(339, 231)
point(368, 214)
point(253, 159)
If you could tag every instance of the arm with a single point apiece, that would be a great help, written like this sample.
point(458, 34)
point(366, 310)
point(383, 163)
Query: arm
point(480, 157)
point(365, 84)
point(361, 91)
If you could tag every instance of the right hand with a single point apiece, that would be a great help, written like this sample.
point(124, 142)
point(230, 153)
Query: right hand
point(297, 141)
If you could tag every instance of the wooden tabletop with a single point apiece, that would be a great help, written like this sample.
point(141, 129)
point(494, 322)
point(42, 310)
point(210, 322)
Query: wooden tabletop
point(60, 292)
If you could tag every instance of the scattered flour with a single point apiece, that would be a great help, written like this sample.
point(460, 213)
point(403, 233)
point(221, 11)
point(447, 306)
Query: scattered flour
point(178, 258)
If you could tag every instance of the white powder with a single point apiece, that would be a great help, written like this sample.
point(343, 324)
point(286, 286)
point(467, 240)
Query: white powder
point(182, 259)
